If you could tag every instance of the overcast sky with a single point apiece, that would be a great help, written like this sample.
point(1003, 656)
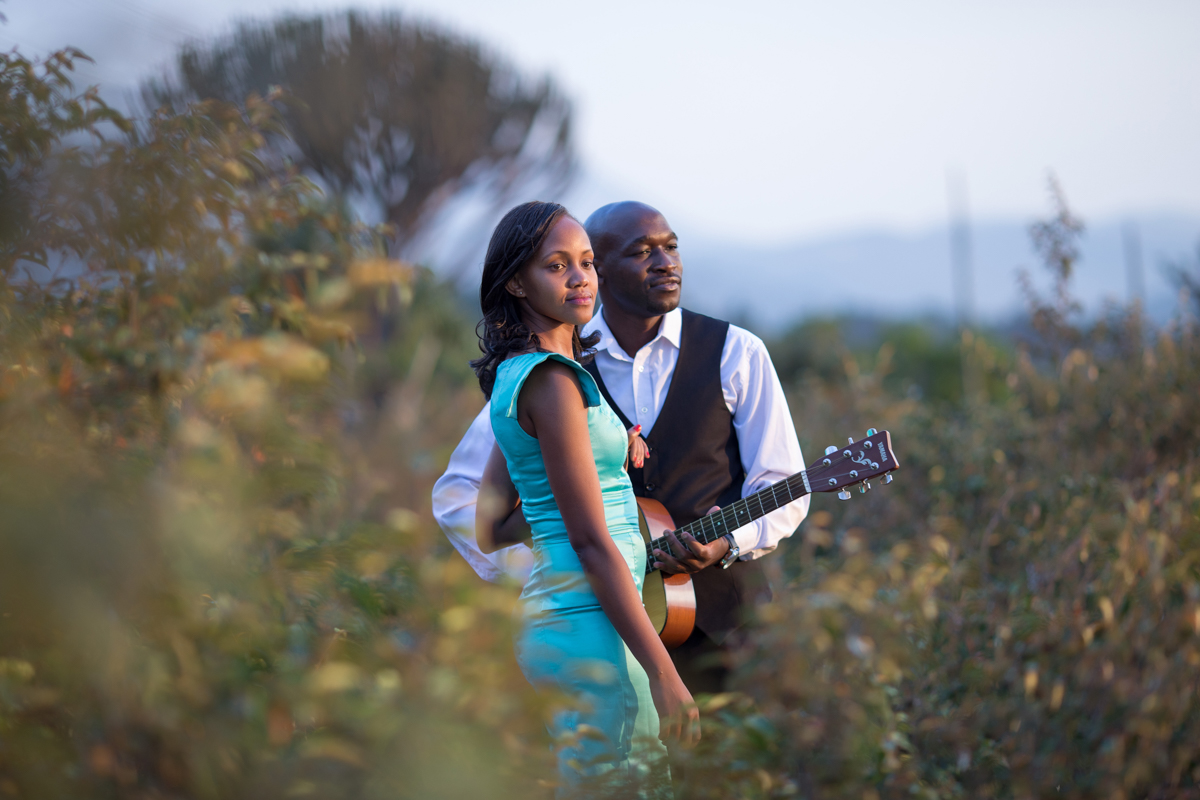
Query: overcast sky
point(769, 121)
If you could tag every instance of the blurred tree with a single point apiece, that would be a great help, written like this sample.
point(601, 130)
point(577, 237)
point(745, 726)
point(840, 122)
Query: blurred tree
point(394, 112)
point(38, 111)
point(919, 359)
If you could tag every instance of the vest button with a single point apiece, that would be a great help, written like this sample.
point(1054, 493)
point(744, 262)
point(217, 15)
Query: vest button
point(649, 487)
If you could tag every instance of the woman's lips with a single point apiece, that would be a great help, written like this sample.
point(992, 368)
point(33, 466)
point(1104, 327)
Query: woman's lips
point(581, 300)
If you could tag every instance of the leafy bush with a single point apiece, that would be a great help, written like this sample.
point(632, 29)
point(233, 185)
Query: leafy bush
point(221, 411)
point(1019, 614)
point(206, 590)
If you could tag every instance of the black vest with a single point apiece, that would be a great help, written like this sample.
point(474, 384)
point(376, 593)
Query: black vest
point(695, 463)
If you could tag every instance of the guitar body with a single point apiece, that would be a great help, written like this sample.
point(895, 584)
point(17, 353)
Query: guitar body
point(670, 600)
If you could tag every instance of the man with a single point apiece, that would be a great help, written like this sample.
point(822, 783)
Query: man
point(712, 413)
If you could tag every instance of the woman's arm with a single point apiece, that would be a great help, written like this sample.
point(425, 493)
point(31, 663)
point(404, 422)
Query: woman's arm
point(499, 520)
point(552, 409)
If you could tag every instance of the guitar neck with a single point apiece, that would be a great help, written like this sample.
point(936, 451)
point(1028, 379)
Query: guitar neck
point(709, 528)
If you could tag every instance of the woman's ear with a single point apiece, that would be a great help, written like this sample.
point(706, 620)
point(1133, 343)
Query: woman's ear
point(514, 286)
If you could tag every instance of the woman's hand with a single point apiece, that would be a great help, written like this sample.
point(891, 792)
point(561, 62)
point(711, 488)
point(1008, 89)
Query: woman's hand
point(499, 518)
point(638, 449)
point(678, 717)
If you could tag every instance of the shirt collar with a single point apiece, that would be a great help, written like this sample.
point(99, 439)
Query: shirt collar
point(669, 329)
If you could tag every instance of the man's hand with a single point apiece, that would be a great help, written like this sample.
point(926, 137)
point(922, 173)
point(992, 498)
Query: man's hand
point(688, 555)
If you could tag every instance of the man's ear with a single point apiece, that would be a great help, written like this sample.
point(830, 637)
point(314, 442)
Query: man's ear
point(514, 286)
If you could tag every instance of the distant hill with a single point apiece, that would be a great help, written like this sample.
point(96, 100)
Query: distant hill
point(865, 272)
point(894, 274)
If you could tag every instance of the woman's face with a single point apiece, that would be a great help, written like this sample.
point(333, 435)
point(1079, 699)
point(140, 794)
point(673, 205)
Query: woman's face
point(559, 283)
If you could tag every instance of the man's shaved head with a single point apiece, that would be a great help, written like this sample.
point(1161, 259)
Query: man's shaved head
point(637, 260)
point(609, 226)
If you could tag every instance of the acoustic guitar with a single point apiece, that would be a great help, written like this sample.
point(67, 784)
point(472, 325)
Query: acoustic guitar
point(670, 600)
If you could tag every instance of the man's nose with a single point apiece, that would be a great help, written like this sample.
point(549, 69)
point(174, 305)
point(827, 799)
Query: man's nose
point(663, 261)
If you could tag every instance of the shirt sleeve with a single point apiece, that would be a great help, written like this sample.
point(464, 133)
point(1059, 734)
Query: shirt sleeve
point(454, 498)
point(766, 437)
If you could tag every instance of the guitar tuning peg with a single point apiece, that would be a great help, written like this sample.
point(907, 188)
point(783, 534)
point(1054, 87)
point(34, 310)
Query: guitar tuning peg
point(844, 494)
point(830, 449)
point(887, 478)
point(849, 440)
point(862, 488)
point(867, 484)
point(871, 431)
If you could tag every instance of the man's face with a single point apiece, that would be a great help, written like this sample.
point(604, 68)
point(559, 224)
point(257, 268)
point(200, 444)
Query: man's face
point(640, 271)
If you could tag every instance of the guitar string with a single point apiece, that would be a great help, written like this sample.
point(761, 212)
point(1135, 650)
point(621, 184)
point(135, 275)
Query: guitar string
point(742, 514)
point(739, 508)
point(742, 507)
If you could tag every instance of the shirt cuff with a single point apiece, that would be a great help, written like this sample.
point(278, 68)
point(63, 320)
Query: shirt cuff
point(747, 539)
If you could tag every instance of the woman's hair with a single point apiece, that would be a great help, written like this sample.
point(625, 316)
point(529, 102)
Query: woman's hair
point(516, 240)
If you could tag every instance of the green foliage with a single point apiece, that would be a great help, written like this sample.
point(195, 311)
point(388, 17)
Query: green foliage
point(207, 589)
point(37, 112)
point(918, 359)
point(1019, 614)
point(221, 412)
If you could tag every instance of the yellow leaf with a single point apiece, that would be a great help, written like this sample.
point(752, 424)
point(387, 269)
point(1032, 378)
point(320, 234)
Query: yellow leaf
point(929, 608)
point(372, 565)
point(336, 676)
point(387, 680)
point(287, 356)
point(718, 701)
point(17, 669)
point(235, 171)
point(823, 519)
point(458, 619)
point(335, 749)
point(378, 272)
point(237, 394)
point(940, 545)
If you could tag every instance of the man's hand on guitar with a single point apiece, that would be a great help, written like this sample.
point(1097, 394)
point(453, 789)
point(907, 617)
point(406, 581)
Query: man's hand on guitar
point(689, 555)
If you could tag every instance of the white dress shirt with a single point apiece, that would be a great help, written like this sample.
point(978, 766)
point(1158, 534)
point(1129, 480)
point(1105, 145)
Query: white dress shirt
point(454, 497)
point(639, 384)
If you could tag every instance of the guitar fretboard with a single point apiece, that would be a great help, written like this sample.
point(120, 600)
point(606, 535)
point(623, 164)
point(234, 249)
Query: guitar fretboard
point(709, 528)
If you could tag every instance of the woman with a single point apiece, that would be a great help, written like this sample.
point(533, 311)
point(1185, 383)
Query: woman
point(559, 464)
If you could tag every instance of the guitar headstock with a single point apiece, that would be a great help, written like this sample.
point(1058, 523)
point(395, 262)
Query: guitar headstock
point(854, 464)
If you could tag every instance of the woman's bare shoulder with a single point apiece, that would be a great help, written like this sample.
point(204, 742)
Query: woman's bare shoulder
point(552, 383)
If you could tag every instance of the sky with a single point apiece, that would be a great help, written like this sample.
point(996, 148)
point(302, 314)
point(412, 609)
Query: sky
point(767, 122)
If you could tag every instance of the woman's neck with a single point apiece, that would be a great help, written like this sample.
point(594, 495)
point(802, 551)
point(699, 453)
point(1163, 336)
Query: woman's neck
point(555, 336)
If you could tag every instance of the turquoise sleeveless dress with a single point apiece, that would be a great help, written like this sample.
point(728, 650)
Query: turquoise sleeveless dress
point(566, 641)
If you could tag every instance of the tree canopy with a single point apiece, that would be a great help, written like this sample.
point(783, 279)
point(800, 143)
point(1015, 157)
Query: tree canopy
point(395, 112)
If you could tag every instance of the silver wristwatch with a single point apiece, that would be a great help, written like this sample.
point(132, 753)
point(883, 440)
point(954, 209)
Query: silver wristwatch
point(734, 552)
